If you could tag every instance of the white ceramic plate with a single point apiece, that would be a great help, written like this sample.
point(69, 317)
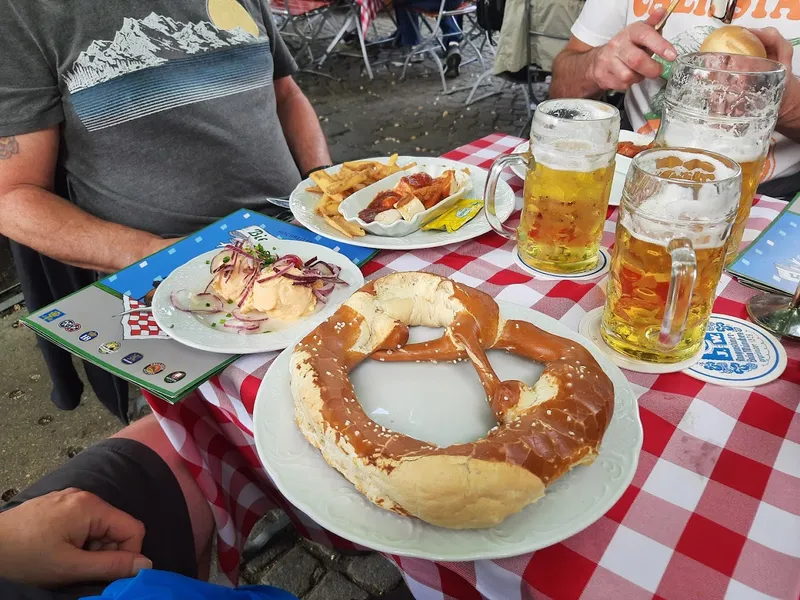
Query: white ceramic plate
point(303, 205)
point(620, 169)
point(444, 404)
point(196, 332)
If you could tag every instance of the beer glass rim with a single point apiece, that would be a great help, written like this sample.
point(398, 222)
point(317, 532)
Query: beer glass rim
point(613, 112)
point(684, 61)
point(636, 165)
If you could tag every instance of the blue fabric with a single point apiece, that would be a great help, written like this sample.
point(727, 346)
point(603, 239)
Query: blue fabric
point(408, 21)
point(162, 585)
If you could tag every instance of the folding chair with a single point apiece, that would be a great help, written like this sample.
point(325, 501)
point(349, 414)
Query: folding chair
point(429, 44)
point(305, 18)
point(353, 20)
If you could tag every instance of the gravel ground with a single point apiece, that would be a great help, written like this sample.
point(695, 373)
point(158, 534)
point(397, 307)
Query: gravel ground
point(361, 118)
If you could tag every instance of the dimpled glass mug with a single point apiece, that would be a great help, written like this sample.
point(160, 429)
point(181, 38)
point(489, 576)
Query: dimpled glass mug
point(570, 168)
point(675, 219)
point(728, 104)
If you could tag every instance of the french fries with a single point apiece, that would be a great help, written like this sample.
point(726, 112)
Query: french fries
point(351, 177)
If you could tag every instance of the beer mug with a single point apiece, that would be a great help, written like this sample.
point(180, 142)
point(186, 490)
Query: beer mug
point(675, 219)
point(727, 104)
point(570, 168)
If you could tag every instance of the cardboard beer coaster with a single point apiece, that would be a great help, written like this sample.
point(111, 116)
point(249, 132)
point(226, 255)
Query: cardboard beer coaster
point(738, 353)
point(600, 269)
point(590, 327)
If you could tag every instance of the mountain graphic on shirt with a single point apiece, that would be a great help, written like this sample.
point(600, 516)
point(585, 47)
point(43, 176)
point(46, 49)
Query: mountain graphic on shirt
point(148, 42)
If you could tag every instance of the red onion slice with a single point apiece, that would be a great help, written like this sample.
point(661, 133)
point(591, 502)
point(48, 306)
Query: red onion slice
point(242, 327)
point(218, 262)
point(186, 301)
point(279, 273)
point(320, 296)
point(326, 288)
point(251, 317)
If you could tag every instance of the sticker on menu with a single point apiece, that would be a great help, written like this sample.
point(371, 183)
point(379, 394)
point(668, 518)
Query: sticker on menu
point(51, 315)
point(738, 353)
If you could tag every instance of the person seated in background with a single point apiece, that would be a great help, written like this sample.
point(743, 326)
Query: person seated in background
point(551, 19)
point(408, 31)
point(613, 42)
point(126, 510)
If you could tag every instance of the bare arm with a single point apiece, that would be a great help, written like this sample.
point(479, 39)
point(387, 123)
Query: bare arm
point(34, 216)
point(581, 71)
point(300, 126)
point(781, 50)
point(572, 71)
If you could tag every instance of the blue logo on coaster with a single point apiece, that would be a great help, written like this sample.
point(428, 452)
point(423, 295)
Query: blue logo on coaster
point(738, 353)
point(88, 336)
point(51, 315)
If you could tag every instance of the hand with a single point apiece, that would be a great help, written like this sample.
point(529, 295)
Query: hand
point(626, 59)
point(69, 537)
point(778, 47)
point(781, 50)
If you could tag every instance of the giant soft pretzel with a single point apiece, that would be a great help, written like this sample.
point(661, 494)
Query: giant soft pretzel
point(544, 430)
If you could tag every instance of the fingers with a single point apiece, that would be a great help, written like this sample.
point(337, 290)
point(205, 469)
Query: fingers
point(778, 47)
point(111, 525)
point(640, 62)
point(644, 36)
point(103, 565)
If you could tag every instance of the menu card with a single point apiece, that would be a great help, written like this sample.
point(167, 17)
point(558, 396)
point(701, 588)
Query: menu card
point(90, 323)
point(772, 261)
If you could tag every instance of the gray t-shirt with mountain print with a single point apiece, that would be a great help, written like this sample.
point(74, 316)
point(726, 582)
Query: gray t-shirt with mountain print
point(167, 107)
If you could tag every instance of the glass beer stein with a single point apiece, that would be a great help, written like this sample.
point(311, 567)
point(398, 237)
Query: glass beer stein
point(675, 219)
point(727, 104)
point(570, 168)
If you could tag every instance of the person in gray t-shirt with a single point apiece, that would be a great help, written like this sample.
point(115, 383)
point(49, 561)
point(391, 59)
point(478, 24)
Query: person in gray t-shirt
point(165, 116)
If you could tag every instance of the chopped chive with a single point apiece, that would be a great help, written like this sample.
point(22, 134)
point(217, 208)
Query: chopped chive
point(213, 324)
point(226, 259)
point(229, 315)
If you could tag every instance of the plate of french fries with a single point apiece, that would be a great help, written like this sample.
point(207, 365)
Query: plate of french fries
point(316, 202)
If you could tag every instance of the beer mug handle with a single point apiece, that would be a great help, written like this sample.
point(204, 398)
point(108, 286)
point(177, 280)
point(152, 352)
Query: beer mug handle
point(679, 296)
point(491, 187)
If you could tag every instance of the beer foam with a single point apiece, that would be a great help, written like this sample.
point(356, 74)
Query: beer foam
point(680, 212)
point(573, 155)
point(727, 143)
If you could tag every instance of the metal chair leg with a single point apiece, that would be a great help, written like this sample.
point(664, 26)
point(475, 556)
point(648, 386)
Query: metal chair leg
point(337, 38)
point(439, 66)
point(361, 41)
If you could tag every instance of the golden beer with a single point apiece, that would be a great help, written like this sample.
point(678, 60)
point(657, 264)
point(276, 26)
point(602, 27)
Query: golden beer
point(569, 172)
point(715, 103)
point(637, 295)
point(677, 211)
point(751, 177)
point(563, 217)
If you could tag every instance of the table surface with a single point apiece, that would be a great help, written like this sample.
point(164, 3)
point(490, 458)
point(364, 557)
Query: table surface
point(713, 510)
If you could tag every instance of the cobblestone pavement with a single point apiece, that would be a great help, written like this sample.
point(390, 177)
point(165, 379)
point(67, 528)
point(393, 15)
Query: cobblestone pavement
point(361, 118)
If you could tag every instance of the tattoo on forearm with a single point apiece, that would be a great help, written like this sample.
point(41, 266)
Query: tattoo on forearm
point(9, 146)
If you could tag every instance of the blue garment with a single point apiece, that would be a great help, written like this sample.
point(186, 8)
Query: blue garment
point(151, 584)
point(408, 20)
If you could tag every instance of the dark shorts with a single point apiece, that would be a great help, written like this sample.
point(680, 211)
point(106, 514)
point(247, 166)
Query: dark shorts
point(134, 479)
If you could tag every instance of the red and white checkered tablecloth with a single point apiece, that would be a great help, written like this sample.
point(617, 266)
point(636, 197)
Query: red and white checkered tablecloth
point(714, 508)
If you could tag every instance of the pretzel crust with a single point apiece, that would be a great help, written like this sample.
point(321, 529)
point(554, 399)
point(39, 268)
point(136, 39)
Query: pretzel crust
point(543, 430)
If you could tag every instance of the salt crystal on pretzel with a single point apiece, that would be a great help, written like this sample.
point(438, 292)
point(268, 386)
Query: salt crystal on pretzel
point(543, 430)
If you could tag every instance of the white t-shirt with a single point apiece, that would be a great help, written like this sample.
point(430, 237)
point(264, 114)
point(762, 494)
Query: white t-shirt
point(688, 26)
